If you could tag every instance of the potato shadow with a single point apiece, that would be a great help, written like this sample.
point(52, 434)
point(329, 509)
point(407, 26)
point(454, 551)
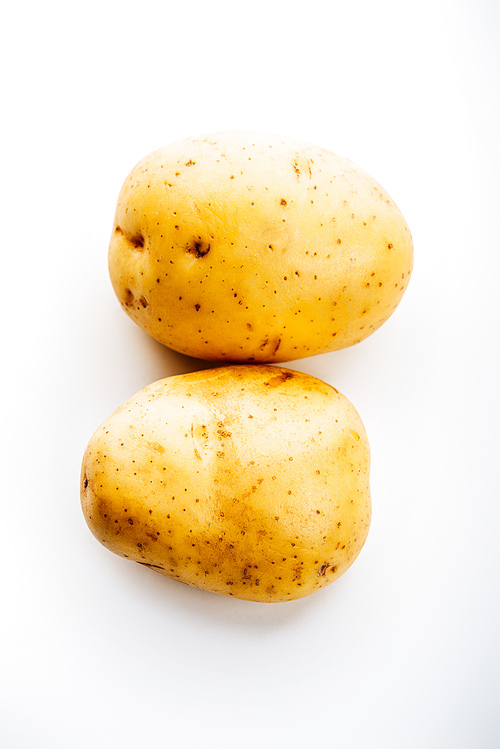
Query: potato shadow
point(207, 609)
point(152, 359)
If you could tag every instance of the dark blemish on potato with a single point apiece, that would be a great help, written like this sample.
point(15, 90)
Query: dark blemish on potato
point(322, 570)
point(118, 230)
point(199, 248)
point(277, 346)
point(197, 307)
point(85, 482)
point(138, 241)
point(279, 379)
point(152, 566)
point(129, 298)
point(190, 163)
point(390, 246)
point(283, 201)
point(143, 301)
point(130, 521)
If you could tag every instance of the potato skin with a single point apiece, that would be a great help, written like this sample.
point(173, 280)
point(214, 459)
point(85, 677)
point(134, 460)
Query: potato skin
point(245, 247)
point(251, 481)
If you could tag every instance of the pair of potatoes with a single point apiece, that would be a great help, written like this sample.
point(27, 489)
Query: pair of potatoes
point(248, 480)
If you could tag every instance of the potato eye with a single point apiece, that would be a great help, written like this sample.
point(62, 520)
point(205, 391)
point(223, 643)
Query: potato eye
point(138, 241)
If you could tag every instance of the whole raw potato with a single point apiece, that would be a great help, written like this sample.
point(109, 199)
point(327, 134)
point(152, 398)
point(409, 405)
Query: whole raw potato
point(247, 247)
point(251, 481)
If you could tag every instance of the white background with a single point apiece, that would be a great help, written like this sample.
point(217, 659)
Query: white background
point(404, 650)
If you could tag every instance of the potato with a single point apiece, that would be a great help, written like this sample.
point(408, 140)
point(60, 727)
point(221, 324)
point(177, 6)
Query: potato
point(248, 480)
point(245, 247)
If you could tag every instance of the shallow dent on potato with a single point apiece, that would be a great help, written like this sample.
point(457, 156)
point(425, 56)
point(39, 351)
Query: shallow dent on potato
point(249, 481)
point(135, 240)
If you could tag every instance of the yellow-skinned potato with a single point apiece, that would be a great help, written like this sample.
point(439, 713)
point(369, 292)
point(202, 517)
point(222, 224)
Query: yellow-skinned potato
point(246, 247)
point(251, 481)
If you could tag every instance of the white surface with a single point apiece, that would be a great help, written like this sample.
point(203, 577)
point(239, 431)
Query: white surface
point(403, 651)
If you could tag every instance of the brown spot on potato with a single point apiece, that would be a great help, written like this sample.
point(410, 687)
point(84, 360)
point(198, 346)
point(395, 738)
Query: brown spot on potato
point(198, 248)
point(138, 241)
point(279, 379)
point(129, 298)
point(322, 570)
